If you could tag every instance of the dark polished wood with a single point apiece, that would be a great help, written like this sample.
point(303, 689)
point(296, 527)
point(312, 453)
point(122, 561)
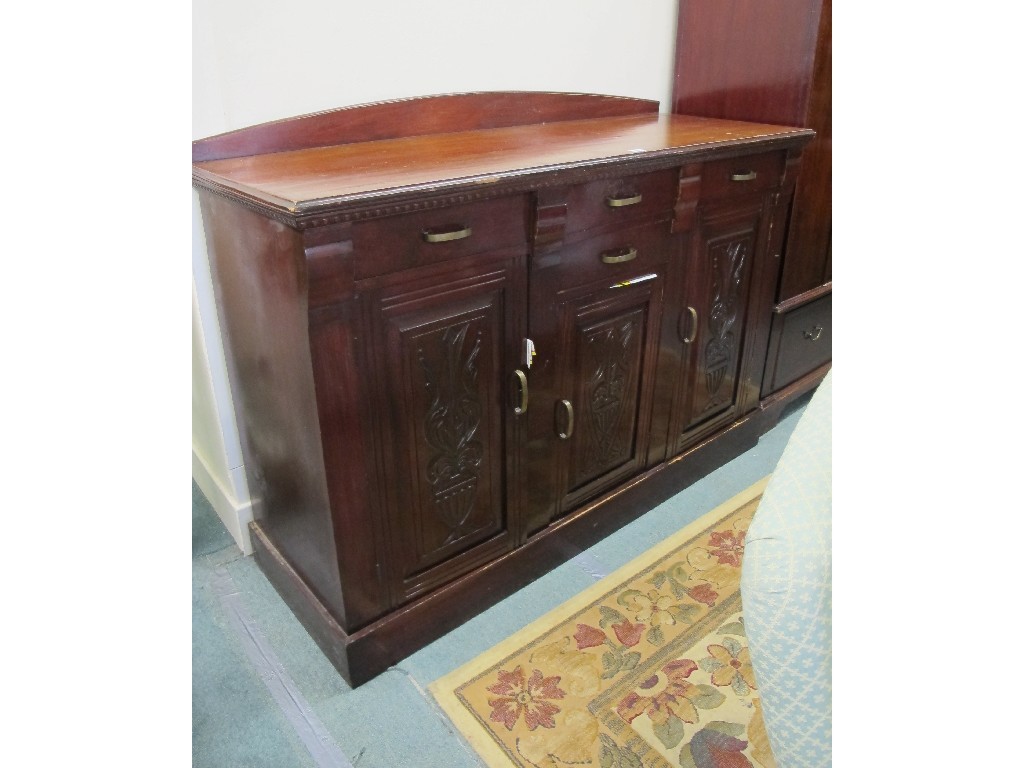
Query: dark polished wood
point(420, 116)
point(617, 202)
point(742, 60)
point(398, 244)
point(328, 184)
point(809, 241)
point(801, 342)
point(737, 60)
point(445, 344)
point(259, 287)
point(409, 464)
point(775, 405)
point(730, 239)
point(591, 386)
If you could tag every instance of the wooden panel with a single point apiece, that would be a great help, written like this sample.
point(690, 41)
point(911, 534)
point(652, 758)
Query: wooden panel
point(802, 342)
point(415, 117)
point(607, 366)
point(809, 241)
point(603, 366)
point(346, 437)
point(447, 347)
point(720, 325)
point(717, 287)
point(743, 60)
point(257, 269)
point(395, 243)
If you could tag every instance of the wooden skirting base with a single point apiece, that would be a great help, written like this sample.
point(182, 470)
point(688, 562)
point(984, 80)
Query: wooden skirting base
point(773, 406)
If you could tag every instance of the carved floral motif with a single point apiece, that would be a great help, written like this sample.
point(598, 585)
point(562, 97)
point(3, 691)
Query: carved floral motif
point(611, 351)
point(450, 427)
point(727, 262)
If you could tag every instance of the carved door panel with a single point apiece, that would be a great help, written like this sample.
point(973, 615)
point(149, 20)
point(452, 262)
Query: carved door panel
point(713, 317)
point(590, 409)
point(448, 351)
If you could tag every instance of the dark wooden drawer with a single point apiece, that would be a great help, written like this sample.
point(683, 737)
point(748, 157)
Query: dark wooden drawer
point(622, 201)
point(401, 242)
point(801, 341)
point(740, 175)
point(613, 256)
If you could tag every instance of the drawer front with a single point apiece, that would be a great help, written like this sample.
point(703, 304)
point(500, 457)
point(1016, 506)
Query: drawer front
point(621, 201)
point(419, 239)
point(804, 341)
point(613, 257)
point(741, 175)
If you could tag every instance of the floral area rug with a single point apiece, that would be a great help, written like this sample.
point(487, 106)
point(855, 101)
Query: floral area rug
point(648, 668)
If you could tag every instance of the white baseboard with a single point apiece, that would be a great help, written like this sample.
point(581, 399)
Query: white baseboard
point(235, 515)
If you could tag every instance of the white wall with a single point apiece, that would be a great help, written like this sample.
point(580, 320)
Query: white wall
point(260, 60)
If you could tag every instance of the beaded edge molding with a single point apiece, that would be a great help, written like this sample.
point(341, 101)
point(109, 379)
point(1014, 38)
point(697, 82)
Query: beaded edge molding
point(466, 190)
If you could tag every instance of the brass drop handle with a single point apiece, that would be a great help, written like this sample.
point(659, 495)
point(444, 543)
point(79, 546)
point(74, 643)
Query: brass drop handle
point(569, 420)
point(814, 334)
point(619, 255)
point(621, 201)
point(744, 176)
point(446, 235)
point(524, 393)
point(693, 326)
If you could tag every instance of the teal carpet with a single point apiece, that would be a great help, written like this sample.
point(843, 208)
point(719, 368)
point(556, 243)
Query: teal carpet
point(264, 695)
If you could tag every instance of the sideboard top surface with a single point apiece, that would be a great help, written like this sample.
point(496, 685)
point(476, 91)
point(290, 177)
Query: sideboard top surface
point(338, 176)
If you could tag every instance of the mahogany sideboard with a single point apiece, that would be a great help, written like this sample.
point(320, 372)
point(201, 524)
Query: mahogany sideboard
point(470, 335)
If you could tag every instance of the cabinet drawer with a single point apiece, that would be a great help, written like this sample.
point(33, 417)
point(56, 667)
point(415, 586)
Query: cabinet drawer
point(740, 175)
point(425, 237)
point(804, 342)
point(613, 256)
point(621, 201)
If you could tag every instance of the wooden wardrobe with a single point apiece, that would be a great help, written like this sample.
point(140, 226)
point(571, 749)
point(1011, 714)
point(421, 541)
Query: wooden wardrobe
point(772, 63)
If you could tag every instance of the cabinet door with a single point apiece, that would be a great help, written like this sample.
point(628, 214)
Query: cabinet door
point(447, 347)
point(591, 394)
point(713, 316)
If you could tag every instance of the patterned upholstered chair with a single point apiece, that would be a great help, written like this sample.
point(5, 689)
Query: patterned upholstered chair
point(786, 588)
